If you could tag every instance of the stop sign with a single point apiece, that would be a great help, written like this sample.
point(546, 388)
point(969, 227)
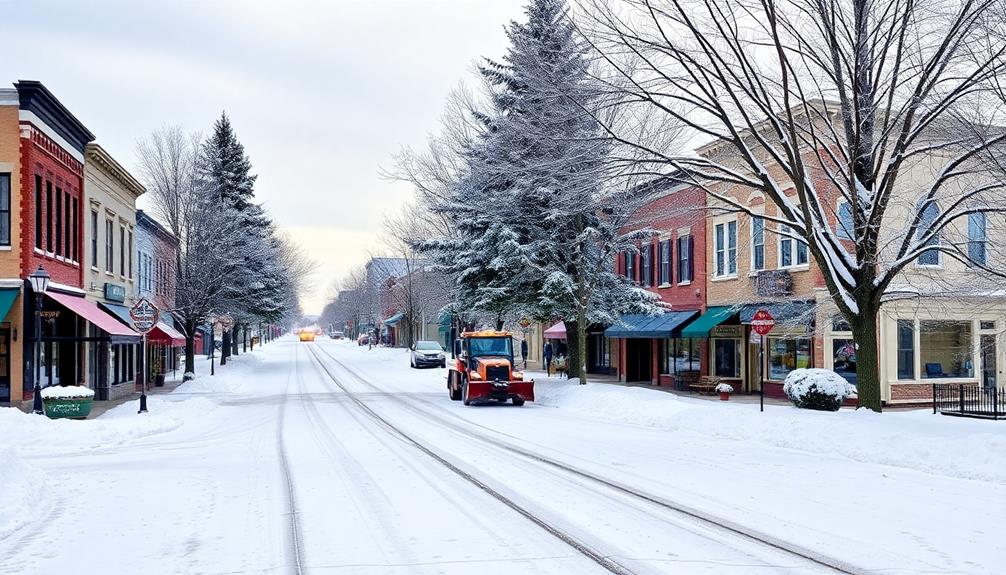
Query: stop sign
point(762, 322)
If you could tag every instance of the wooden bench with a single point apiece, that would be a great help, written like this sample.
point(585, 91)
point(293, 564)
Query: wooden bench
point(706, 384)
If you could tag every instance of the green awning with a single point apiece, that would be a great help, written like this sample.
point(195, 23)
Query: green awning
point(393, 320)
point(713, 317)
point(7, 297)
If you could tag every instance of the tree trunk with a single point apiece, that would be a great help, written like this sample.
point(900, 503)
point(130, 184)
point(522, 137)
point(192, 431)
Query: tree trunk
point(865, 335)
point(190, 347)
point(572, 349)
point(234, 338)
point(581, 344)
point(225, 346)
point(244, 338)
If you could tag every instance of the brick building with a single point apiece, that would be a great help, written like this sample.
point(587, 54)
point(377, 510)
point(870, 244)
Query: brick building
point(671, 264)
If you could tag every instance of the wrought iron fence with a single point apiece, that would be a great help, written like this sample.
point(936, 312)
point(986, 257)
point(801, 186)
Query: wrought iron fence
point(969, 400)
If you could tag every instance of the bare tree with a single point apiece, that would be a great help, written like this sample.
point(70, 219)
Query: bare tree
point(818, 104)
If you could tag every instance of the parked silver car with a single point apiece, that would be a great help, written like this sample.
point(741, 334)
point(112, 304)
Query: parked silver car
point(427, 354)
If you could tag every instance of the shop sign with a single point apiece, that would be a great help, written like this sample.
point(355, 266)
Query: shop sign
point(144, 315)
point(115, 292)
point(727, 331)
point(47, 314)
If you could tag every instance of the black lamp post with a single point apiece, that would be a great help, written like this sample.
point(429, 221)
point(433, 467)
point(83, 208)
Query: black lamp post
point(39, 284)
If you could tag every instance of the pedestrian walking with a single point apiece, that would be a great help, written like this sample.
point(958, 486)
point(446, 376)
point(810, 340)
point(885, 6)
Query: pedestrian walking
point(523, 351)
point(548, 358)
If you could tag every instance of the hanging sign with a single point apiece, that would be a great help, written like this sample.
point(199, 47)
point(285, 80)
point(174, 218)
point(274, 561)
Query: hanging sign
point(145, 315)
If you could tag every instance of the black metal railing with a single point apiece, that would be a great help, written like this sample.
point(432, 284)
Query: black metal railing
point(969, 400)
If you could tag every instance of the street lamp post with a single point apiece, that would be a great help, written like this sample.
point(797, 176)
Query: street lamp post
point(39, 284)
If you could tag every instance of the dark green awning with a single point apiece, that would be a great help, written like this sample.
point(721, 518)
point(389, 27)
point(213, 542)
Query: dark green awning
point(713, 317)
point(791, 313)
point(7, 297)
point(393, 320)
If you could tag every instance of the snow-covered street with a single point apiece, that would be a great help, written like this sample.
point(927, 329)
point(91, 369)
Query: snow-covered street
point(327, 457)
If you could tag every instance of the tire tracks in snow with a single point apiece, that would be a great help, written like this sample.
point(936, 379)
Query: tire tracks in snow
point(720, 524)
point(295, 541)
point(597, 557)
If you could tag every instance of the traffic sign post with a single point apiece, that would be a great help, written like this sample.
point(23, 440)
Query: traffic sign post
point(761, 324)
point(145, 316)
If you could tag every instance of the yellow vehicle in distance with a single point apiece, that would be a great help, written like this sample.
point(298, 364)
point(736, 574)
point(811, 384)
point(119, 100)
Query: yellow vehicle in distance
point(307, 335)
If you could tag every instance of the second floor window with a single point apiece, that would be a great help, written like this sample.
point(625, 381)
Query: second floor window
point(846, 227)
point(726, 248)
point(122, 251)
point(130, 254)
point(68, 231)
point(38, 212)
point(59, 222)
point(645, 253)
point(976, 238)
point(109, 246)
point(757, 244)
point(928, 212)
point(685, 259)
point(665, 262)
point(788, 244)
point(5, 209)
point(48, 217)
point(630, 266)
point(94, 239)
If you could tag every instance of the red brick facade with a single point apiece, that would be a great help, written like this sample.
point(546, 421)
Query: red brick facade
point(43, 158)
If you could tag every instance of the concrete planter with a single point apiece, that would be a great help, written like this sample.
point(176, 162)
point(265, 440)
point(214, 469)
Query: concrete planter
point(68, 408)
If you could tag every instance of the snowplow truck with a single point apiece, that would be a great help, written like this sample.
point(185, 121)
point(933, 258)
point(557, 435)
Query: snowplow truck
point(484, 372)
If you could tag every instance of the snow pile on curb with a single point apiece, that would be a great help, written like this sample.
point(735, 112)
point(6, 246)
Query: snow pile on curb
point(918, 440)
point(121, 424)
point(21, 486)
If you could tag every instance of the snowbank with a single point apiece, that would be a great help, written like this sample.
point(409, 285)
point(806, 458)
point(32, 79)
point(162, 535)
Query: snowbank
point(39, 434)
point(21, 486)
point(917, 440)
point(67, 392)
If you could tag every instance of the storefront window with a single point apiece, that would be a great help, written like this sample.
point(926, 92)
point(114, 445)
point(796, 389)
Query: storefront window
point(906, 349)
point(727, 357)
point(843, 354)
point(785, 355)
point(680, 355)
point(945, 349)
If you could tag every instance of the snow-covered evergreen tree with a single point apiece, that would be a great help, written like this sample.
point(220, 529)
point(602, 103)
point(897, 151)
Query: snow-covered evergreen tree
point(537, 216)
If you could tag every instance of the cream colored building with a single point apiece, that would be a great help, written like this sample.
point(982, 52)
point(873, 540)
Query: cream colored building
point(109, 228)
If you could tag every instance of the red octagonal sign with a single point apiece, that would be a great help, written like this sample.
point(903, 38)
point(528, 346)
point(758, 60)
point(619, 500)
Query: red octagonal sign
point(762, 322)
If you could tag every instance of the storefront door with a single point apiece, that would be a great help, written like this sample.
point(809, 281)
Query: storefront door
point(638, 360)
point(5, 365)
point(989, 366)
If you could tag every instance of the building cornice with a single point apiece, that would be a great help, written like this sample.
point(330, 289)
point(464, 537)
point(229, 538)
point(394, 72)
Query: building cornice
point(98, 156)
point(37, 99)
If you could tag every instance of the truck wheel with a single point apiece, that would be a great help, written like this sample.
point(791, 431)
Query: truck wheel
point(464, 392)
point(518, 401)
point(455, 393)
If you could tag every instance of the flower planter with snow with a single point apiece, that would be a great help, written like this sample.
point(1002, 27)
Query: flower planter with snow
point(724, 389)
point(67, 401)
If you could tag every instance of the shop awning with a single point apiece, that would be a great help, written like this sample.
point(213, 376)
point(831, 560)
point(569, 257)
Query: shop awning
point(713, 317)
point(164, 334)
point(117, 332)
point(121, 312)
point(784, 313)
point(7, 297)
point(557, 331)
point(650, 326)
point(393, 320)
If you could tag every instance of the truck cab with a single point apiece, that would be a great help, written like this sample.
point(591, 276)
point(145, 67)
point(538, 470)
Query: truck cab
point(484, 370)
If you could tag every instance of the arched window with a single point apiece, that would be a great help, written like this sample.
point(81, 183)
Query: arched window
point(929, 211)
point(976, 238)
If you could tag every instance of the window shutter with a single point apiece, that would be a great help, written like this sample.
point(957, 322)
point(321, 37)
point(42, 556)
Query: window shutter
point(670, 262)
point(691, 258)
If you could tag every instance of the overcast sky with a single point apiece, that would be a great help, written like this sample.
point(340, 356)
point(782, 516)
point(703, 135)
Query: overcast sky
point(322, 94)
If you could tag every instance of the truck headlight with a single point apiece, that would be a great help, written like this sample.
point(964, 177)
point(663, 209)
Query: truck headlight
point(517, 375)
point(474, 375)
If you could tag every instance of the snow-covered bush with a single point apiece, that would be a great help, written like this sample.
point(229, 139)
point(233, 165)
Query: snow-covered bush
point(724, 388)
point(188, 375)
point(818, 389)
point(67, 392)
